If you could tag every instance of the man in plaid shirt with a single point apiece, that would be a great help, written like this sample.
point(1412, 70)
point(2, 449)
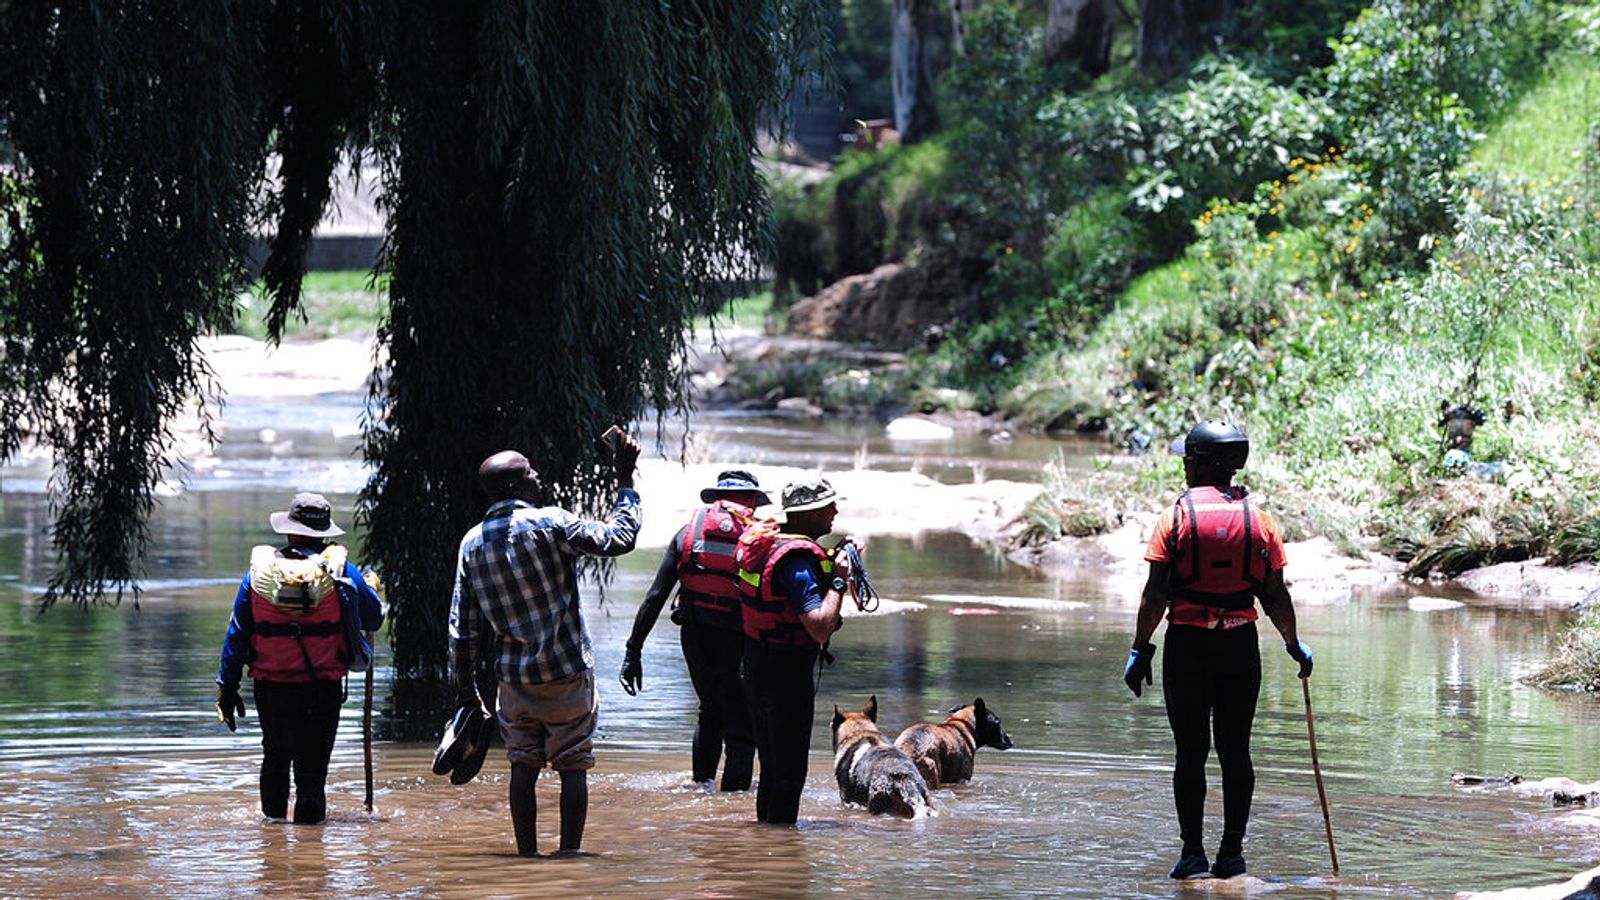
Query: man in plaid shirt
point(517, 573)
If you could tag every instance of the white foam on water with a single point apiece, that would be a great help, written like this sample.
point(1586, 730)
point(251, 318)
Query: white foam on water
point(1007, 602)
point(1432, 604)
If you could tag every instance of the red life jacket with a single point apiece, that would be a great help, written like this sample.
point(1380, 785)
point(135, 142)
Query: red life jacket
point(769, 617)
point(708, 573)
point(1219, 558)
point(298, 634)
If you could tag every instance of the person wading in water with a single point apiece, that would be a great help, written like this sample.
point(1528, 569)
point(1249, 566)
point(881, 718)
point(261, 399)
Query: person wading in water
point(517, 575)
point(792, 590)
point(300, 620)
point(700, 561)
point(1210, 559)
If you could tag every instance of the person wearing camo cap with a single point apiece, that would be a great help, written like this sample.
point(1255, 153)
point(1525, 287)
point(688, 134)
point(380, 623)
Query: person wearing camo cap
point(792, 590)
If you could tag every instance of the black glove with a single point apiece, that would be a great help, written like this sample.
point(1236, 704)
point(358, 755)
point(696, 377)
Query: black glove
point(1301, 653)
point(229, 704)
point(1138, 668)
point(632, 674)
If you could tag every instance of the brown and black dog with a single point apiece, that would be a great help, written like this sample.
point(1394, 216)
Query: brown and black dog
point(944, 753)
point(870, 770)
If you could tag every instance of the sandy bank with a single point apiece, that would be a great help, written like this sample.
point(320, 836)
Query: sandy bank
point(901, 503)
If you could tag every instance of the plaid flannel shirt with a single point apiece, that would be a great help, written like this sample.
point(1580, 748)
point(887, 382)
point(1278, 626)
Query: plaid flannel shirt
point(517, 571)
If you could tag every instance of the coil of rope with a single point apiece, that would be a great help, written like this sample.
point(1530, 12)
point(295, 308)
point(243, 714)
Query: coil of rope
point(861, 589)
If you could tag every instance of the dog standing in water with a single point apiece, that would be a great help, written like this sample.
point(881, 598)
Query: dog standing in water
point(870, 770)
point(944, 753)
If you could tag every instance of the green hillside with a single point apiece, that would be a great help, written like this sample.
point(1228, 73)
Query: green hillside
point(1332, 256)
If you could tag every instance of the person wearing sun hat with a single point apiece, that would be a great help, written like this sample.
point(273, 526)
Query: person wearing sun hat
point(299, 620)
point(792, 589)
point(699, 563)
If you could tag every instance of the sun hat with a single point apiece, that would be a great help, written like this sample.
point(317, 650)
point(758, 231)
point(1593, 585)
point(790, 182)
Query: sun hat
point(734, 481)
point(812, 493)
point(308, 515)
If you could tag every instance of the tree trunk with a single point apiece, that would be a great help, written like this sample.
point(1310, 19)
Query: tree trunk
point(1163, 37)
point(959, 9)
point(915, 114)
point(1080, 30)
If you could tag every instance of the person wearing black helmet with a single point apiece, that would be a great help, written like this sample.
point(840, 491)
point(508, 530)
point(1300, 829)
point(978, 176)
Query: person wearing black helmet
point(1211, 559)
point(700, 563)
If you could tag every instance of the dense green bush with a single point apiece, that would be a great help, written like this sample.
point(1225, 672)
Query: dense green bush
point(1411, 79)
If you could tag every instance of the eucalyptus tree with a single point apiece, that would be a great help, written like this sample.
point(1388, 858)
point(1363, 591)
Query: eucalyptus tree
point(566, 186)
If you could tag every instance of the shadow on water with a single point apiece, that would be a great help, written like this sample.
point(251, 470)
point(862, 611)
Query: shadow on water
point(119, 782)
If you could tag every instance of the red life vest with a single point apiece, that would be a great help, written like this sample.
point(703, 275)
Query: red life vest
point(708, 573)
point(769, 617)
point(1219, 558)
point(298, 634)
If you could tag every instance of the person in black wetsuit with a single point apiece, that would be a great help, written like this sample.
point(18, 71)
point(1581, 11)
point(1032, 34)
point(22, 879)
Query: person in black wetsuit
point(1210, 560)
point(700, 563)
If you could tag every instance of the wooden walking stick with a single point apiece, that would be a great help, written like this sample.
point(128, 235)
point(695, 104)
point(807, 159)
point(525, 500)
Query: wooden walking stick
point(366, 730)
point(1316, 768)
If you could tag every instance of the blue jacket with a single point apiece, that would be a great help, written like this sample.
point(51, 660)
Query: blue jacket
point(358, 605)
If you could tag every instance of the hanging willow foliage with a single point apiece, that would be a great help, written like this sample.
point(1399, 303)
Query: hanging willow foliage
point(127, 202)
point(566, 184)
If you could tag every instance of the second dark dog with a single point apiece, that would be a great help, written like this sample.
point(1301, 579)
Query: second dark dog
point(944, 753)
point(870, 770)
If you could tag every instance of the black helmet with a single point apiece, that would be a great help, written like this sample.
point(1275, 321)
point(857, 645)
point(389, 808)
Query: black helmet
point(1215, 441)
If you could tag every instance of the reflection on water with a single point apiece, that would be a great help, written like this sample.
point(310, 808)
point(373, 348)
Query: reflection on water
point(119, 782)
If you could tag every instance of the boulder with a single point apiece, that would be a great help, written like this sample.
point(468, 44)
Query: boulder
point(891, 306)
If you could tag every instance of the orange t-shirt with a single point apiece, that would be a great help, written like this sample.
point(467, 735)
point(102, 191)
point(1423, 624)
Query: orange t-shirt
point(1186, 612)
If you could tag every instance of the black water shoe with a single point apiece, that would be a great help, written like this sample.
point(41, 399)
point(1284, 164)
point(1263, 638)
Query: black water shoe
point(1229, 863)
point(1190, 865)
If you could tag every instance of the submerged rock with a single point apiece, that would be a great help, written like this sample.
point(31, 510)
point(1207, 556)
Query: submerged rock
point(911, 428)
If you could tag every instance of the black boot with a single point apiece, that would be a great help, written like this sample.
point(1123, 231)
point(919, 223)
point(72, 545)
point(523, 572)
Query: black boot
point(1189, 865)
point(1229, 863)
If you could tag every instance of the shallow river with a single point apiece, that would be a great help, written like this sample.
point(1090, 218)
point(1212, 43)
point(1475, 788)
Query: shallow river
point(118, 781)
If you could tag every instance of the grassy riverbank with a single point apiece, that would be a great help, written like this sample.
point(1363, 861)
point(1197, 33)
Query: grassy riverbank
point(1331, 255)
point(336, 304)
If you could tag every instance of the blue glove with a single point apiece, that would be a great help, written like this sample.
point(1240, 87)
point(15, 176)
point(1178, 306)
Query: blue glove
point(1138, 668)
point(1301, 652)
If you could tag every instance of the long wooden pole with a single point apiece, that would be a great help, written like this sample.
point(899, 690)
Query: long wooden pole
point(1316, 768)
point(366, 731)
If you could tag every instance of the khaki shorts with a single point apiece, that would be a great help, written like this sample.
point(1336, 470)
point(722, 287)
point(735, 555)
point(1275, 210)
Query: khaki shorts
point(550, 723)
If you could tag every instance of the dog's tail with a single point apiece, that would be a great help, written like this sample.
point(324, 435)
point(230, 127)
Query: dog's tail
point(905, 796)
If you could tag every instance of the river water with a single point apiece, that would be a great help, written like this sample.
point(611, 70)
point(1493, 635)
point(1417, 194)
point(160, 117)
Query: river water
point(117, 781)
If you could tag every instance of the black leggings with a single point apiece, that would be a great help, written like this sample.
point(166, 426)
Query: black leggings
point(298, 722)
point(778, 687)
point(1211, 679)
point(712, 654)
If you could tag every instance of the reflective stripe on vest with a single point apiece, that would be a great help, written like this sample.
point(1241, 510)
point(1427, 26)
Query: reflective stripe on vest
point(707, 567)
point(298, 633)
point(1219, 559)
point(769, 617)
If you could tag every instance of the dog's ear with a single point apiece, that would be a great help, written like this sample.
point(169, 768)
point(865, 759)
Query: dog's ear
point(978, 707)
point(838, 717)
point(872, 708)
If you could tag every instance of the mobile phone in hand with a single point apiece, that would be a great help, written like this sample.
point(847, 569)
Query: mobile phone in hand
point(612, 437)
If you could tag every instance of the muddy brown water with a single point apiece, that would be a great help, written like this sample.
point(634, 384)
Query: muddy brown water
point(116, 780)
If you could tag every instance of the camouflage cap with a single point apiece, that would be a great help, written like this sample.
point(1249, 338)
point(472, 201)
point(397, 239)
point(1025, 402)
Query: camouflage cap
point(811, 493)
